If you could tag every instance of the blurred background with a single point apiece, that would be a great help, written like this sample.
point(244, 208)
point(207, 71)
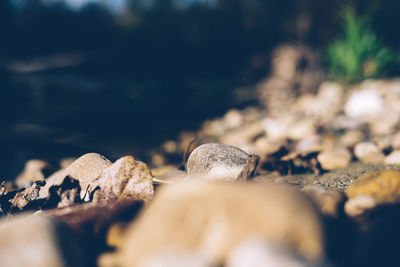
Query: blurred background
point(122, 76)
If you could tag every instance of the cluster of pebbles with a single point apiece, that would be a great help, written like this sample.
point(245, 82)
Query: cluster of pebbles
point(317, 184)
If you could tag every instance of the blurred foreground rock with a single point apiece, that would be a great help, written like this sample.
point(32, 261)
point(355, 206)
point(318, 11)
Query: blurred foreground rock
point(36, 241)
point(212, 218)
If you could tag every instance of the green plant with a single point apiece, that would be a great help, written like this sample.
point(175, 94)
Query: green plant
point(357, 53)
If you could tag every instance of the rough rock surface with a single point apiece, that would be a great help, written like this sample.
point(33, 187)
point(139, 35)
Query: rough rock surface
point(85, 169)
point(218, 162)
point(382, 186)
point(125, 178)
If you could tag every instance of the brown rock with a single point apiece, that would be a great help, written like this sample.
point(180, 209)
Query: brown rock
point(382, 186)
point(125, 178)
point(94, 220)
point(212, 218)
point(85, 169)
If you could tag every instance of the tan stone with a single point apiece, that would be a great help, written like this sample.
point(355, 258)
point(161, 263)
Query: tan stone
point(85, 169)
point(125, 178)
point(212, 218)
point(369, 153)
point(357, 205)
point(32, 172)
point(173, 176)
point(334, 159)
point(156, 172)
point(214, 161)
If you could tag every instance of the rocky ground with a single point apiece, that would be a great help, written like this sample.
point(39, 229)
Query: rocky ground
point(310, 179)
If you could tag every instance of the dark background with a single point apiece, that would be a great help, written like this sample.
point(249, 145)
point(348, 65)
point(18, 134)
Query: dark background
point(74, 81)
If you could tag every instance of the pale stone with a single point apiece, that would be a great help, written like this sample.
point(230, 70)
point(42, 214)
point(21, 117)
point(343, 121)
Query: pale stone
point(301, 129)
point(368, 153)
point(85, 169)
point(37, 241)
point(256, 252)
point(233, 119)
point(243, 135)
point(393, 158)
point(32, 172)
point(334, 159)
point(217, 162)
point(364, 105)
point(277, 129)
point(351, 138)
point(357, 205)
point(125, 178)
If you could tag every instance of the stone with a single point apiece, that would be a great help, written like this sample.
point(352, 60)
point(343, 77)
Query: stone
point(329, 201)
point(309, 144)
point(301, 129)
point(173, 176)
point(364, 105)
point(33, 171)
point(156, 172)
point(383, 186)
point(264, 146)
point(233, 119)
point(85, 169)
point(125, 178)
point(358, 204)
point(213, 218)
point(214, 161)
point(386, 124)
point(393, 158)
point(25, 197)
point(256, 252)
point(37, 241)
point(395, 142)
point(277, 129)
point(324, 106)
point(243, 135)
point(65, 162)
point(176, 259)
point(369, 153)
point(351, 138)
point(334, 158)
